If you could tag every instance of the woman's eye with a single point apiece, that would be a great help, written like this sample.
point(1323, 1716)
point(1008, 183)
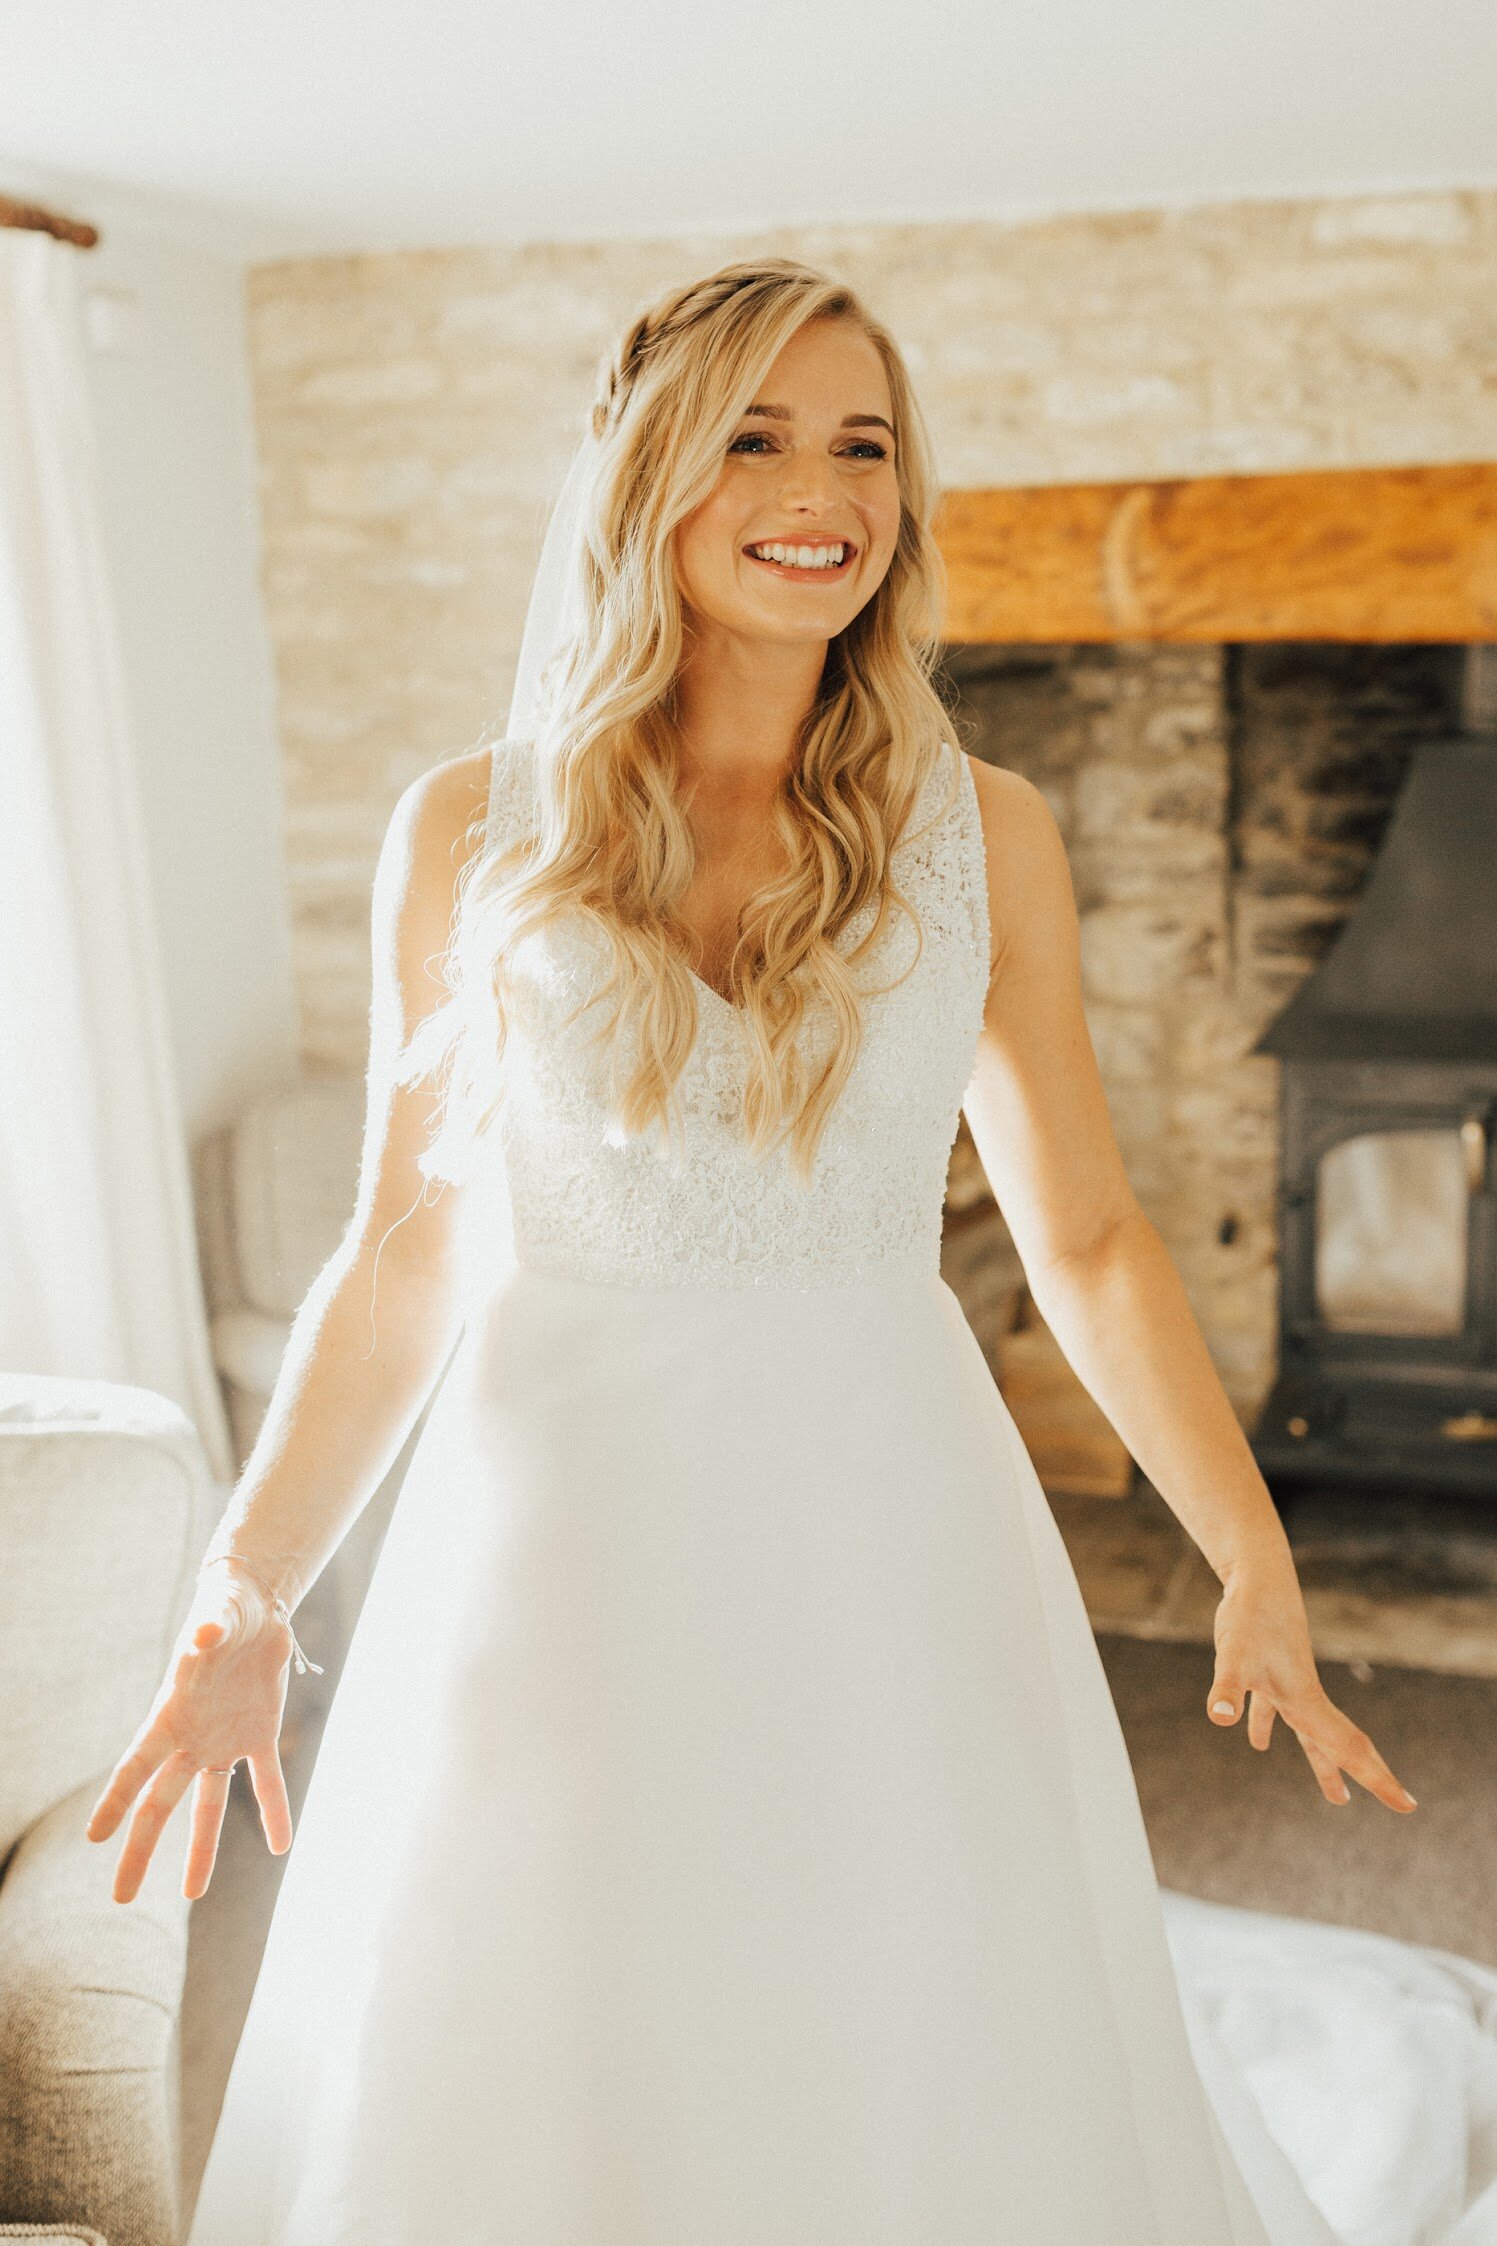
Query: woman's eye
point(865, 448)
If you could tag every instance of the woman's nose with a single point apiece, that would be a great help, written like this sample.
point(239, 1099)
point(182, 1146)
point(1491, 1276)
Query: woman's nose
point(808, 480)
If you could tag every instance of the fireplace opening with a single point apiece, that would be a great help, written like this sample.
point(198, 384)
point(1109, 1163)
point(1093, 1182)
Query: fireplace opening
point(1393, 1210)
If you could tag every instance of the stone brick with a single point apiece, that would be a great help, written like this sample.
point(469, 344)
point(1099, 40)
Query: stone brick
point(1129, 1042)
point(1133, 952)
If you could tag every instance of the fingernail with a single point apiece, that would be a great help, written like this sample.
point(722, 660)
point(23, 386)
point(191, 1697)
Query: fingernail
point(1222, 1708)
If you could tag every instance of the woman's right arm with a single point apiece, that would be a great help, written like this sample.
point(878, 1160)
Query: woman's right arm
point(350, 1387)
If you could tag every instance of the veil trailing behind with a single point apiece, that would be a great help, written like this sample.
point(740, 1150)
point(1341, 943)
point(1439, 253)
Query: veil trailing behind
point(554, 615)
point(722, 1832)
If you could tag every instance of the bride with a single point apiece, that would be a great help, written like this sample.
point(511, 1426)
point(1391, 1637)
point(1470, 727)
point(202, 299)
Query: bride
point(722, 1834)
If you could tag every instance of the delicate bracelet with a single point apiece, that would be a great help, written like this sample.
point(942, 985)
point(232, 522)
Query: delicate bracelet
point(279, 1604)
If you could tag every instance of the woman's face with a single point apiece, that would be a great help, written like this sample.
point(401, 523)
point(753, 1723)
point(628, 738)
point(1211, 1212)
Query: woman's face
point(810, 466)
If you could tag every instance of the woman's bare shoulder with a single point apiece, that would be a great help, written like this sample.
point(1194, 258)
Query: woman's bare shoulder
point(455, 790)
point(435, 829)
point(439, 819)
point(1029, 876)
point(1003, 790)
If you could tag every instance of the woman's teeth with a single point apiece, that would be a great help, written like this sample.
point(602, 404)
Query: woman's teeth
point(802, 557)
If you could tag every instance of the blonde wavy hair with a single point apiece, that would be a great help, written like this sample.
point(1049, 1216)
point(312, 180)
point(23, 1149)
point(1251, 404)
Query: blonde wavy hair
point(611, 841)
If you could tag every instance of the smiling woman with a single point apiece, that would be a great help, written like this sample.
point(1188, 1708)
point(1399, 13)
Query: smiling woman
point(723, 1831)
point(733, 743)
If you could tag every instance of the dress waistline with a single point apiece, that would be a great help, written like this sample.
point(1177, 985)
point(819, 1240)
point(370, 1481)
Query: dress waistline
point(897, 1272)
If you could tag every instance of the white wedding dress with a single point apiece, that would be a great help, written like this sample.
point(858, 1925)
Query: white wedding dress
point(722, 1834)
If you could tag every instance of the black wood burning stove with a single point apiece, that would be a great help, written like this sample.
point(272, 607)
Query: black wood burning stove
point(1387, 1173)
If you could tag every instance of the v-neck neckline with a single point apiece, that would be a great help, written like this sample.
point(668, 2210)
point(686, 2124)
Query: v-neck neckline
point(728, 1005)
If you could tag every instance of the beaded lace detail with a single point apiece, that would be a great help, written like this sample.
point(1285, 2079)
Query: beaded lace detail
point(709, 1211)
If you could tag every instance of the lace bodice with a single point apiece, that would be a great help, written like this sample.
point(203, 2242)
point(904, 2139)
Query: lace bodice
point(712, 1212)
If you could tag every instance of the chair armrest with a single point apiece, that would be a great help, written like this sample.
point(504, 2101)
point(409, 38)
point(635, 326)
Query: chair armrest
point(63, 2234)
point(90, 1993)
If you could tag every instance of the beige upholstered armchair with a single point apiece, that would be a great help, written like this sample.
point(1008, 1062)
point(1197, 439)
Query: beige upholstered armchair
point(70, 2234)
point(106, 1504)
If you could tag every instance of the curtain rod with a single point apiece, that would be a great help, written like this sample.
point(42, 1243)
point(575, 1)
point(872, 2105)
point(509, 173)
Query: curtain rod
point(34, 220)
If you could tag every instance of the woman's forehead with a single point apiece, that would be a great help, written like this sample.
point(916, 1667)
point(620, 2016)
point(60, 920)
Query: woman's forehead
point(821, 373)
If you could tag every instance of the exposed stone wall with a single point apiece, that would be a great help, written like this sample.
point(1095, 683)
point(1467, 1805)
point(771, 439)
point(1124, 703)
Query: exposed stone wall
point(1323, 737)
point(1221, 807)
point(416, 410)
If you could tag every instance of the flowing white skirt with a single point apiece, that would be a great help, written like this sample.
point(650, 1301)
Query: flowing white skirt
point(722, 1834)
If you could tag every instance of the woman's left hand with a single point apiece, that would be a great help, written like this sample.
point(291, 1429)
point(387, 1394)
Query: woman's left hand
point(1263, 1648)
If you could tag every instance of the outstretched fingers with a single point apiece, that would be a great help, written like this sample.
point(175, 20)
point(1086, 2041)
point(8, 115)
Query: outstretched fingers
point(1333, 1744)
point(1331, 1741)
point(1226, 1701)
point(146, 1753)
point(1261, 1713)
point(160, 1799)
point(270, 1792)
point(1326, 1768)
point(210, 1800)
point(1356, 1755)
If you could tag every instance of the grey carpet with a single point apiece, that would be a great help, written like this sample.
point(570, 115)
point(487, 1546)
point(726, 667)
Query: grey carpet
point(1237, 1826)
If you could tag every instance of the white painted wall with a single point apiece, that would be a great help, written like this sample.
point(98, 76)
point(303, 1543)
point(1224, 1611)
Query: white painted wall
point(347, 126)
point(168, 372)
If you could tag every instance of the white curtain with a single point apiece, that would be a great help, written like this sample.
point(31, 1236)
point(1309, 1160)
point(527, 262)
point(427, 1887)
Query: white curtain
point(98, 1262)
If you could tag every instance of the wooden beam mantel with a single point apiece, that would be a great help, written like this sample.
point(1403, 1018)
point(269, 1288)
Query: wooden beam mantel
point(1392, 554)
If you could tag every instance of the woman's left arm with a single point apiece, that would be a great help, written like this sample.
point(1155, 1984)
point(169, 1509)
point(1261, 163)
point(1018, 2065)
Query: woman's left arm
point(1109, 1292)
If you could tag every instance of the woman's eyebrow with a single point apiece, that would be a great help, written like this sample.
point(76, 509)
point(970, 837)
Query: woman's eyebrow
point(849, 420)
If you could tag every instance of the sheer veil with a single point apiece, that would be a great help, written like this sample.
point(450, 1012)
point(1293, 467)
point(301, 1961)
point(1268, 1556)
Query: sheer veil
point(555, 611)
point(552, 619)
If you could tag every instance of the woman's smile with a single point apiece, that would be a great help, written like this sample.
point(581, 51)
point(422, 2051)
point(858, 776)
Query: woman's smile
point(806, 561)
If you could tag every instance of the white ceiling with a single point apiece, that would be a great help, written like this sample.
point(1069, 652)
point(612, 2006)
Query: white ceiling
point(287, 125)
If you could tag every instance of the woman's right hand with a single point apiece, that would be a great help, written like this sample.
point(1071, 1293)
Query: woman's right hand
point(220, 1702)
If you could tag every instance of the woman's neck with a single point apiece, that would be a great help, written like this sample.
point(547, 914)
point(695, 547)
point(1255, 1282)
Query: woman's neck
point(740, 706)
